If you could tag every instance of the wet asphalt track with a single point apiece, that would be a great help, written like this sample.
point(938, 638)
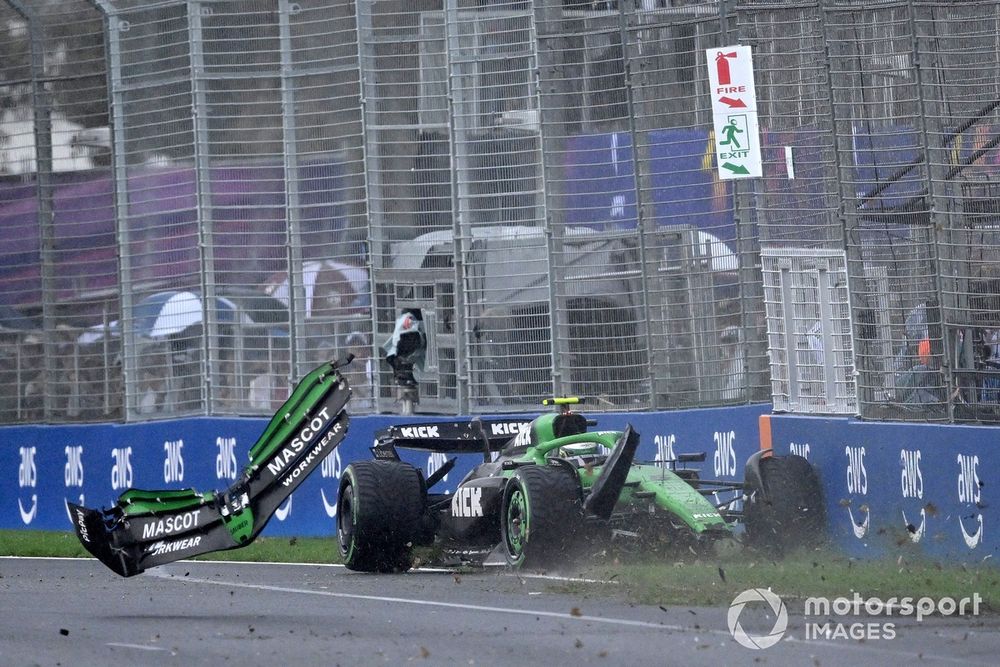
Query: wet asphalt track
point(75, 612)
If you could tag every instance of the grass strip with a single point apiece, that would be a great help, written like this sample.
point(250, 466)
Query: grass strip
point(41, 543)
point(795, 577)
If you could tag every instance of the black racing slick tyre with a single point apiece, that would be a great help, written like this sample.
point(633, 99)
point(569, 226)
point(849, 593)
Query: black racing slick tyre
point(784, 509)
point(541, 512)
point(378, 515)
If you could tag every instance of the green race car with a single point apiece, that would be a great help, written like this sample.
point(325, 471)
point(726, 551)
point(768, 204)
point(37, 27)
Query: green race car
point(553, 482)
point(541, 485)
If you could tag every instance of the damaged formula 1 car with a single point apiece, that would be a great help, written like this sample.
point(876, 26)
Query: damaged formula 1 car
point(149, 528)
point(544, 484)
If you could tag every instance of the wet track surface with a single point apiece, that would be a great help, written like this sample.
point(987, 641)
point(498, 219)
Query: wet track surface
point(75, 612)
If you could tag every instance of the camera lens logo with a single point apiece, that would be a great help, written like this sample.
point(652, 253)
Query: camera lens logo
point(757, 640)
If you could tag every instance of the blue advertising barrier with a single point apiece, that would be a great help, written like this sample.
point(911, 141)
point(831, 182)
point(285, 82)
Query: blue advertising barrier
point(896, 488)
point(43, 466)
point(889, 488)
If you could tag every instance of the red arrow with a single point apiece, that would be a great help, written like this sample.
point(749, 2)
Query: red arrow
point(737, 103)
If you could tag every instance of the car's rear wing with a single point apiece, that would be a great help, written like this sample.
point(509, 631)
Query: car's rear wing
point(450, 437)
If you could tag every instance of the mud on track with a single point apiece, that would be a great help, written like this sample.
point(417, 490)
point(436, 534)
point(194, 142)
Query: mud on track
point(75, 612)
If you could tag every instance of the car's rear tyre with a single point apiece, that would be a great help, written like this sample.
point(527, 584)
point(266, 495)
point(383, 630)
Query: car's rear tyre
point(540, 513)
point(784, 509)
point(378, 515)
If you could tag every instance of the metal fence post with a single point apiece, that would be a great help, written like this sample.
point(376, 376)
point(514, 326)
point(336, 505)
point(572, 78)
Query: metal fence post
point(373, 247)
point(42, 103)
point(949, 357)
point(642, 182)
point(461, 215)
point(461, 229)
point(548, 13)
point(290, 167)
point(847, 225)
point(112, 41)
point(203, 190)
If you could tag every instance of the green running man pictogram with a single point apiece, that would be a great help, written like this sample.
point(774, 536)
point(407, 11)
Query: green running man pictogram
point(731, 131)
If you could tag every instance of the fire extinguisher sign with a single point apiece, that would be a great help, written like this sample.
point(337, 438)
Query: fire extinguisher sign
point(734, 112)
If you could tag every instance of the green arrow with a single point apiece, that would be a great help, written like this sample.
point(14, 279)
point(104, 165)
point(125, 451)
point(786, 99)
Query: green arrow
point(735, 168)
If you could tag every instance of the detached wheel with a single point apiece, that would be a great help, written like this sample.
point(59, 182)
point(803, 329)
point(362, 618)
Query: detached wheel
point(541, 510)
point(784, 510)
point(378, 515)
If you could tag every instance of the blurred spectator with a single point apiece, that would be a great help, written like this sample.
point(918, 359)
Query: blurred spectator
point(991, 366)
point(734, 362)
point(924, 352)
point(269, 381)
point(10, 357)
point(32, 378)
point(921, 384)
point(264, 387)
point(360, 372)
point(151, 389)
point(918, 361)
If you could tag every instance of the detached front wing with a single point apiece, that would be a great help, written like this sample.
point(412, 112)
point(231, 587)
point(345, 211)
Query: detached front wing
point(130, 543)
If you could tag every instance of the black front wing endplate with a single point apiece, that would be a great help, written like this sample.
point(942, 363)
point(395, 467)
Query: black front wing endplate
point(608, 485)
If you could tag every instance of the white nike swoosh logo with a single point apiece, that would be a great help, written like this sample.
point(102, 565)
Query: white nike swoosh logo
point(331, 510)
point(28, 517)
point(283, 512)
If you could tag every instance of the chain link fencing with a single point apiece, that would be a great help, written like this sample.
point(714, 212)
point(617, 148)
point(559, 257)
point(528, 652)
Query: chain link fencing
point(204, 199)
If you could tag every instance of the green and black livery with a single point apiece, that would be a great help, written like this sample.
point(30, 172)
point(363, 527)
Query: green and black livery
point(546, 483)
point(149, 528)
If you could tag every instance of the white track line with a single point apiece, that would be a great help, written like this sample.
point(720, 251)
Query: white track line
point(424, 603)
point(139, 647)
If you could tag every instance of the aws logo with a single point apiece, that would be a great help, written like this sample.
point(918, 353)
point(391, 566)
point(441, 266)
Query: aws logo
point(27, 477)
point(724, 459)
point(121, 469)
point(970, 493)
point(912, 485)
point(173, 461)
point(857, 484)
point(73, 472)
point(434, 462)
point(225, 459)
point(665, 449)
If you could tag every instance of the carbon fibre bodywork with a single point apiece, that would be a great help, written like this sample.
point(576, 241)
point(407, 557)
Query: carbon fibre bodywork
point(149, 528)
point(614, 490)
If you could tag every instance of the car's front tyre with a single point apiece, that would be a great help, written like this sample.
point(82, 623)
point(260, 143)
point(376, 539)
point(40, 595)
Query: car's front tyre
point(540, 513)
